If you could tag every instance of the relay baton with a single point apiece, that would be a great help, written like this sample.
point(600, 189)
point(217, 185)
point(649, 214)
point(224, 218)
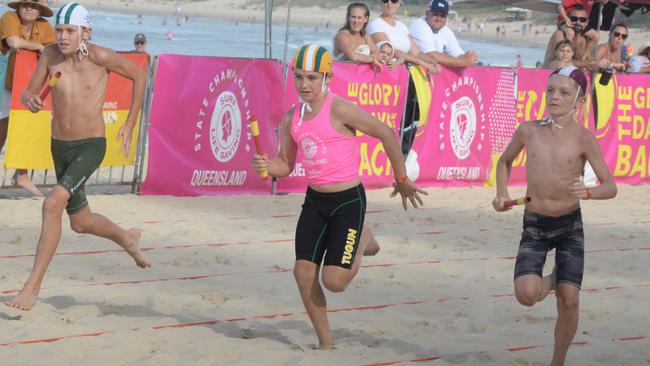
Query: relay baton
point(255, 131)
point(518, 201)
point(53, 80)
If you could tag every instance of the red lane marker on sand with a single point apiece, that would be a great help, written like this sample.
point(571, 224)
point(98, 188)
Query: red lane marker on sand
point(270, 316)
point(146, 249)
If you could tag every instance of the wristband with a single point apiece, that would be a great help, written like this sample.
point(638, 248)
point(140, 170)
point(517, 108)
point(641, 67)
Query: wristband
point(401, 179)
point(589, 193)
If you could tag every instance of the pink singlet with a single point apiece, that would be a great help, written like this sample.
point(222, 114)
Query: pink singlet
point(327, 156)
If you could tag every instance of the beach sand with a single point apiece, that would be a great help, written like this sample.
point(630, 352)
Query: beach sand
point(221, 291)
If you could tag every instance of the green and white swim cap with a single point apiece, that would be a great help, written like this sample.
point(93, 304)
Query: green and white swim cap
point(73, 14)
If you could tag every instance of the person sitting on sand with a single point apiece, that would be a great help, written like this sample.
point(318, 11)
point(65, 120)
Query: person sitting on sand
point(78, 137)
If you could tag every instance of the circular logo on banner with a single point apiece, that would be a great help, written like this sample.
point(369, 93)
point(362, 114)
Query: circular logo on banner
point(225, 127)
point(465, 116)
point(308, 147)
point(462, 126)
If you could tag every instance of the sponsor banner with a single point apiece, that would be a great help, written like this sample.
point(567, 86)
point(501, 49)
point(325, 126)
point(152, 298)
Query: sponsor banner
point(28, 141)
point(381, 94)
point(200, 142)
point(530, 105)
point(453, 145)
point(623, 128)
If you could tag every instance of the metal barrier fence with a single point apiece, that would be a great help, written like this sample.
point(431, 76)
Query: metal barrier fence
point(126, 175)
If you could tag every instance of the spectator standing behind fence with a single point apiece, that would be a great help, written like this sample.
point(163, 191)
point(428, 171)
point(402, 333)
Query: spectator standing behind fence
point(582, 46)
point(388, 28)
point(611, 51)
point(565, 22)
point(23, 29)
point(352, 42)
point(433, 37)
point(563, 55)
point(641, 62)
point(140, 43)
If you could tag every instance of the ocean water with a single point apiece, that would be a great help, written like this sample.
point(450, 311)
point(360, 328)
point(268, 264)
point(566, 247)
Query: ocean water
point(210, 37)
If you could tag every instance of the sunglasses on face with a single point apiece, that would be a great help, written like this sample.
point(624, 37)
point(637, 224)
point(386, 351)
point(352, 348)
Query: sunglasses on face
point(579, 19)
point(391, 1)
point(439, 15)
point(138, 43)
point(622, 35)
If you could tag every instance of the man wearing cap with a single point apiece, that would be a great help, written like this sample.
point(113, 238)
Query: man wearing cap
point(641, 62)
point(140, 43)
point(557, 149)
point(23, 29)
point(78, 140)
point(434, 38)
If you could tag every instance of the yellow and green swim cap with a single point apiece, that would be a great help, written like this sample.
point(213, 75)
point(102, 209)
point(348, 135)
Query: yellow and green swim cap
point(313, 57)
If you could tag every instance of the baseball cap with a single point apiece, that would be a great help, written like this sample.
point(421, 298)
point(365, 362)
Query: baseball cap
point(140, 38)
point(438, 6)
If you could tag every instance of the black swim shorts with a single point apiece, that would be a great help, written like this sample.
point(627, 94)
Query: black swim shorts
point(330, 226)
point(543, 233)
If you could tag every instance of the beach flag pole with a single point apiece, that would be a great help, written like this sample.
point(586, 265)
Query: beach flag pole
point(515, 202)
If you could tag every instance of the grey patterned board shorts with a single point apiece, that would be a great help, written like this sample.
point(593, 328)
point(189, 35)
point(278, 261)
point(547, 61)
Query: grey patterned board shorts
point(543, 233)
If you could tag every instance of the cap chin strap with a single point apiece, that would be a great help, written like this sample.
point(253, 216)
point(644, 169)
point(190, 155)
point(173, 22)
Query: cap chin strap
point(305, 105)
point(83, 47)
point(551, 121)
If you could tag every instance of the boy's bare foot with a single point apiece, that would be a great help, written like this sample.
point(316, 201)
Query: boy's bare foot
point(132, 246)
point(24, 301)
point(372, 248)
point(326, 346)
point(21, 179)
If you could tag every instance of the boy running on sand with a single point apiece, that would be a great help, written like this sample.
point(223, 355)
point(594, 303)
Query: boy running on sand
point(78, 137)
point(556, 149)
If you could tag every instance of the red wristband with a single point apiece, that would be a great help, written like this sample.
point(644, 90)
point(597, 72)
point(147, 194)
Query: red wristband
point(401, 179)
point(589, 193)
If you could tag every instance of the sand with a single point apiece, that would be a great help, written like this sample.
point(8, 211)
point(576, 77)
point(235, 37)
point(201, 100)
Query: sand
point(440, 289)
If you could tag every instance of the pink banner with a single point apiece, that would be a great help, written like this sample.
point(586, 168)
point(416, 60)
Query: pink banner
point(200, 142)
point(623, 111)
point(380, 94)
point(453, 146)
point(531, 106)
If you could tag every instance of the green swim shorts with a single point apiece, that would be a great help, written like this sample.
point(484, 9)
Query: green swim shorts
point(74, 163)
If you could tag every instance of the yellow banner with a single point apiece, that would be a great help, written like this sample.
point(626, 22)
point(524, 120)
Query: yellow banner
point(30, 135)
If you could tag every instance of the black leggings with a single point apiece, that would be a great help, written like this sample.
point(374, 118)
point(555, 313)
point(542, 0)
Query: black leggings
point(330, 226)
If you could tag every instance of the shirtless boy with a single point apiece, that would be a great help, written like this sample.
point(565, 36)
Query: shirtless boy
point(78, 137)
point(557, 149)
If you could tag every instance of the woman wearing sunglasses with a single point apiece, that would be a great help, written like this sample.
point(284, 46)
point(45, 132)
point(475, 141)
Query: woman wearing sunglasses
point(609, 54)
point(23, 29)
point(388, 28)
